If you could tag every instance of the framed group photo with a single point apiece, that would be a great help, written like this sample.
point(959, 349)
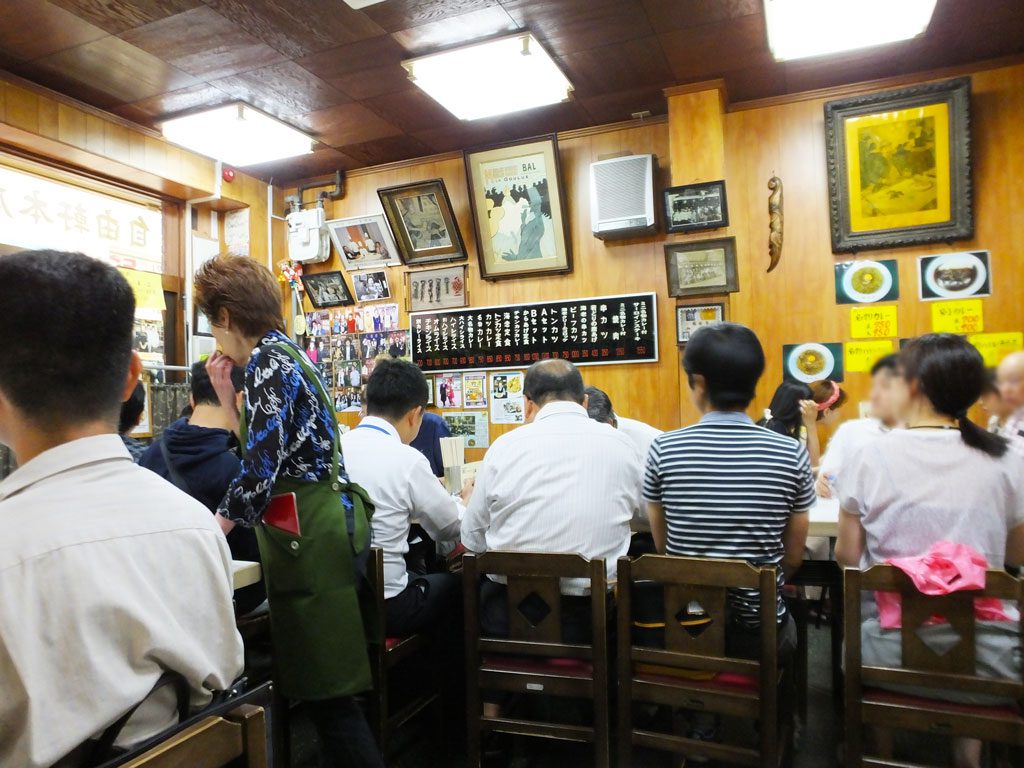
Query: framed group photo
point(371, 286)
point(702, 268)
point(327, 289)
point(422, 221)
point(363, 242)
point(693, 207)
point(519, 209)
point(899, 167)
point(443, 288)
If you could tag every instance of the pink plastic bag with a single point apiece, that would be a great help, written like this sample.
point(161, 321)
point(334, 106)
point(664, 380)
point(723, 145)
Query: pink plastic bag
point(947, 567)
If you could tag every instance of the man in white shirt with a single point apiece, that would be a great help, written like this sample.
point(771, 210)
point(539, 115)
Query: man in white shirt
point(1010, 379)
point(560, 483)
point(853, 435)
point(404, 491)
point(109, 575)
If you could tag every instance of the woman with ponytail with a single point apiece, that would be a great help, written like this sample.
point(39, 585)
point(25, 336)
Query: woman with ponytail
point(943, 478)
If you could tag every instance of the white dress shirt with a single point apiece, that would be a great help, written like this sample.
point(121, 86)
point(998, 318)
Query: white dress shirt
point(564, 483)
point(642, 435)
point(403, 490)
point(109, 575)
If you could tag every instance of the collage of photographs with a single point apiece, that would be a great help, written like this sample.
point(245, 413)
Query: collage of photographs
point(344, 344)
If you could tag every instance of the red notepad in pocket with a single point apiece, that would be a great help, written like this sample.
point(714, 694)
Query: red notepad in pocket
point(283, 513)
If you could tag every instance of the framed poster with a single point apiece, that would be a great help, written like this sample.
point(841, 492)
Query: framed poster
point(701, 267)
point(518, 209)
point(327, 289)
point(693, 207)
point(363, 242)
point(954, 275)
point(899, 166)
point(422, 221)
point(370, 286)
point(430, 390)
point(867, 282)
point(443, 288)
point(690, 317)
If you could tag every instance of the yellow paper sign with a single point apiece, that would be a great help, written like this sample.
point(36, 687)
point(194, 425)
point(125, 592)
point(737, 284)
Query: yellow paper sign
point(147, 286)
point(861, 355)
point(873, 322)
point(995, 346)
point(964, 316)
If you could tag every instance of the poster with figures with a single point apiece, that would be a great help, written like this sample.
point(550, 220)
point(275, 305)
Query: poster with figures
point(472, 427)
point(507, 403)
point(474, 390)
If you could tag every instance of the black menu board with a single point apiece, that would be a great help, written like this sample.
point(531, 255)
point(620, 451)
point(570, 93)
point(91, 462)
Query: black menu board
point(596, 331)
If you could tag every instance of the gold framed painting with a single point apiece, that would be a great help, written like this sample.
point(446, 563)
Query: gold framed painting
point(421, 218)
point(519, 209)
point(899, 167)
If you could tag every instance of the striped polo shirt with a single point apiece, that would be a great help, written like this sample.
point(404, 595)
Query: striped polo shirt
point(728, 488)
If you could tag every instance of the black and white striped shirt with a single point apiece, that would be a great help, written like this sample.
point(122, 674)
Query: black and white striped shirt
point(728, 488)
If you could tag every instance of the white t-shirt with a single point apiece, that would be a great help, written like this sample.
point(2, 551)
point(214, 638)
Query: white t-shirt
point(847, 442)
point(912, 488)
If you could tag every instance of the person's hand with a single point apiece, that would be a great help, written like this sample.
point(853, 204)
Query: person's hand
point(467, 491)
point(219, 367)
point(823, 487)
point(808, 412)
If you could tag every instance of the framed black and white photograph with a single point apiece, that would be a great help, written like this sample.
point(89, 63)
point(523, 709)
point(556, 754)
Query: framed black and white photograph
point(702, 267)
point(423, 223)
point(363, 242)
point(371, 286)
point(443, 288)
point(693, 207)
point(327, 289)
point(690, 317)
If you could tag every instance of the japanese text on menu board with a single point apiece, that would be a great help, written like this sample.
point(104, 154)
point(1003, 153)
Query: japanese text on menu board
point(594, 331)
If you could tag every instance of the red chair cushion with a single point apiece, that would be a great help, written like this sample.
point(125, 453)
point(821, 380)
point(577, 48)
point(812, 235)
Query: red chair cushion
point(580, 668)
point(391, 642)
point(723, 681)
point(879, 696)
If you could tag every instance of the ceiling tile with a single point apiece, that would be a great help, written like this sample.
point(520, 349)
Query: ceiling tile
point(697, 53)
point(617, 67)
point(30, 29)
point(361, 70)
point(568, 26)
point(346, 124)
point(389, 150)
point(203, 43)
point(322, 162)
point(757, 82)
point(455, 30)
point(282, 89)
point(298, 27)
point(410, 110)
point(620, 105)
point(402, 14)
point(149, 111)
point(116, 16)
point(105, 72)
point(666, 15)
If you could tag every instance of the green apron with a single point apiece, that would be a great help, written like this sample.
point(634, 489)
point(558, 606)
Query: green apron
point(315, 620)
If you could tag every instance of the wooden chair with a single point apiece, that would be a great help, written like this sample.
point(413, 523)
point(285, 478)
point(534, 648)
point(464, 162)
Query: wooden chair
point(868, 704)
point(388, 652)
point(533, 659)
point(693, 671)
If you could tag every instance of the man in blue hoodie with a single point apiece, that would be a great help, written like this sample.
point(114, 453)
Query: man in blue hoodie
point(197, 454)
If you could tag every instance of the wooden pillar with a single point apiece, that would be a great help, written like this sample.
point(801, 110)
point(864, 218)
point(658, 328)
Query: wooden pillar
point(696, 133)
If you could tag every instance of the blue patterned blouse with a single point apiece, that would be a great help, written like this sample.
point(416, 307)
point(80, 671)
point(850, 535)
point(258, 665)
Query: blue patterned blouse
point(291, 431)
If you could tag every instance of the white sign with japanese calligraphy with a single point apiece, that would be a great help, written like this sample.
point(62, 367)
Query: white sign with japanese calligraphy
point(36, 212)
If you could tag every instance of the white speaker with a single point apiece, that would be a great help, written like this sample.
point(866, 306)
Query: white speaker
point(622, 196)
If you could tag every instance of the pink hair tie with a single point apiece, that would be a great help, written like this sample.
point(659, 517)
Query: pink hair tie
point(832, 400)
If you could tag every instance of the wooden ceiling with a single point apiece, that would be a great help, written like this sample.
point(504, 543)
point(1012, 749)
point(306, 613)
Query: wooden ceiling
point(335, 71)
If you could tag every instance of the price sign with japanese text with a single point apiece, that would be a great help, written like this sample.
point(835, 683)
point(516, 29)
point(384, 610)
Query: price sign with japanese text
point(964, 316)
point(861, 355)
point(995, 346)
point(148, 288)
point(873, 322)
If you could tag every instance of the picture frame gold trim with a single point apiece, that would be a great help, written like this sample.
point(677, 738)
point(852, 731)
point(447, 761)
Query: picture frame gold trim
point(729, 282)
point(407, 250)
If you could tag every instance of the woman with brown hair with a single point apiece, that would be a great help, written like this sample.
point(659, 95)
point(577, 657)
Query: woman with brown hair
point(311, 523)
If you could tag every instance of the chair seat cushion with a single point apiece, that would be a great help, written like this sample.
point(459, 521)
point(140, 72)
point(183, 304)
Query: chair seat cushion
point(722, 681)
point(391, 642)
point(580, 668)
point(879, 696)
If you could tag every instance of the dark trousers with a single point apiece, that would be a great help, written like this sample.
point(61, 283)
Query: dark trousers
point(427, 601)
point(344, 735)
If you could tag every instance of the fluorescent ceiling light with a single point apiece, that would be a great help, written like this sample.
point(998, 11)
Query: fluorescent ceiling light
point(357, 4)
point(798, 29)
point(237, 134)
point(491, 78)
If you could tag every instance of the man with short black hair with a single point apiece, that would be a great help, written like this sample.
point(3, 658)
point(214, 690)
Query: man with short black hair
point(197, 455)
point(560, 483)
point(135, 576)
point(404, 491)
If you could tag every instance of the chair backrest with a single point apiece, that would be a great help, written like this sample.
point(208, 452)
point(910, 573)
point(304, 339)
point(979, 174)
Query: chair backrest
point(534, 602)
point(949, 668)
point(694, 613)
point(376, 631)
